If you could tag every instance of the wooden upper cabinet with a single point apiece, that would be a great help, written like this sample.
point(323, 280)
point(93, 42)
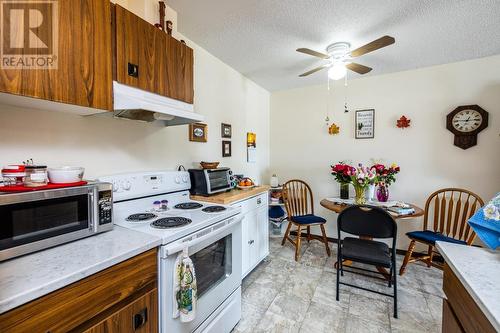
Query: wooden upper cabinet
point(84, 59)
point(149, 59)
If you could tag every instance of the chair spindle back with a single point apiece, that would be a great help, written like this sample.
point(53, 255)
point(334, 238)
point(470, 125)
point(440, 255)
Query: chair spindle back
point(298, 198)
point(447, 211)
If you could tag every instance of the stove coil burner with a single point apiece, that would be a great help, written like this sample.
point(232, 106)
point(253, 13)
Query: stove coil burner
point(214, 209)
point(140, 217)
point(188, 205)
point(170, 222)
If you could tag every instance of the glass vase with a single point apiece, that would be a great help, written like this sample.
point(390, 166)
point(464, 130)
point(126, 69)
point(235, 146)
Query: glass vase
point(360, 198)
point(370, 192)
point(344, 190)
point(383, 193)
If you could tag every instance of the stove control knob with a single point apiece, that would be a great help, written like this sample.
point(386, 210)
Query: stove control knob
point(177, 180)
point(185, 179)
point(115, 186)
point(126, 185)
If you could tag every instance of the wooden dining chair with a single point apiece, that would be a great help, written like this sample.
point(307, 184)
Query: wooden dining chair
point(299, 204)
point(445, 219)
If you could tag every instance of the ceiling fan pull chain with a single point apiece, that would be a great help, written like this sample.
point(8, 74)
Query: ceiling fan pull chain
point(346, 110)
point(327, 119)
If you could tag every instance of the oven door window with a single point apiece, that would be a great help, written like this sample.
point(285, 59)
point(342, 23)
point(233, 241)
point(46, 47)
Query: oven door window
point(28, 222)
point(213, 264)
point(218, 180)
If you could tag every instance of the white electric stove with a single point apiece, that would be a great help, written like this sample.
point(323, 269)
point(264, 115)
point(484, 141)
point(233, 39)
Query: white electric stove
point(211, 233)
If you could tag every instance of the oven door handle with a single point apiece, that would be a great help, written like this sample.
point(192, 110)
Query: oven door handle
point(175, 248)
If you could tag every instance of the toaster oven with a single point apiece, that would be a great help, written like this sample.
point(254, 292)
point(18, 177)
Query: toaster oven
point(210, 181)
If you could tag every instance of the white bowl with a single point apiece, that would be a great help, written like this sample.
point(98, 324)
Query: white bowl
point(65, 174)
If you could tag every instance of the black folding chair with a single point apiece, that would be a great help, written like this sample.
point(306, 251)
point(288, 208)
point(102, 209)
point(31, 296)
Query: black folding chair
point(367, 222)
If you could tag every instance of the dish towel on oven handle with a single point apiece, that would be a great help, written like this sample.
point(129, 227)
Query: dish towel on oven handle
point(185, 291)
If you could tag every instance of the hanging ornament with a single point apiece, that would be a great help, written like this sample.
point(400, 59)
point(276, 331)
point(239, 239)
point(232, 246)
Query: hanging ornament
point(346, 109)
point(333, 129)
point(403, 122)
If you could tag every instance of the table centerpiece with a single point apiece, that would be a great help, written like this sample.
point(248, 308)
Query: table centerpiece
point(385, 177)
point(360, 177)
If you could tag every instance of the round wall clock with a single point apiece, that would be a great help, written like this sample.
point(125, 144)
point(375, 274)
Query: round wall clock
point(466, 122)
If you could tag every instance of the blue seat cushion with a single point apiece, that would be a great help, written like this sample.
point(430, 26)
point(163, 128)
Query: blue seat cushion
point(307, 219)
point(432, 236)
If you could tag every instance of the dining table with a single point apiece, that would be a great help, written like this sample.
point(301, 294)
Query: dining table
point(338, 207)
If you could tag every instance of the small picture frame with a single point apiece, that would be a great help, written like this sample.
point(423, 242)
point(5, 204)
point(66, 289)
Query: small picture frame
point(225, 130)
point(226, 148)
point(365, 124)
point(198, 132)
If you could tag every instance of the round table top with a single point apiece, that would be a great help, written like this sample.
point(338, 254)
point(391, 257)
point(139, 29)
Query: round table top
point(337, 208)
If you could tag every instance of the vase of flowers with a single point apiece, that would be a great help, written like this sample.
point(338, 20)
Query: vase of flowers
point(344, 190)
point(360, 177)
point(383, 192)
point(339, 171)
point(370, 192)
point(386, 176)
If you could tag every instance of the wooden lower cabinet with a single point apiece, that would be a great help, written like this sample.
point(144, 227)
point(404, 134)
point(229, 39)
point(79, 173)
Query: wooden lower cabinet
point(140, 316)
point(460, 311)
point(450, 321)
point(113, 300)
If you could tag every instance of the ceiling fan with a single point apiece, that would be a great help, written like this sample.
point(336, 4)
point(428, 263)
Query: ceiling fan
point(339, 56)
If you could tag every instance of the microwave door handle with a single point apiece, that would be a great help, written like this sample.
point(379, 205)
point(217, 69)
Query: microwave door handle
point(175, 248)
point(92, 215)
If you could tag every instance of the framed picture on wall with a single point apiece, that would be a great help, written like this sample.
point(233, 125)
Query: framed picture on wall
point(198, 132)
point(226, 148)
point(365, 124)
point(225, 130)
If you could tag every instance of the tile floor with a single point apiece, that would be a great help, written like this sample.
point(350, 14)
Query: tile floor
point(281, 295)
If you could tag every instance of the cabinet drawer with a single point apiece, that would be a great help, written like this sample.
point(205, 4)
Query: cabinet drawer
point(67, 308)
point(140, 316)
point(252, 203)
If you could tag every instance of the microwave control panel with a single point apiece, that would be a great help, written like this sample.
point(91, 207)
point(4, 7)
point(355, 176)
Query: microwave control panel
point(105, 205)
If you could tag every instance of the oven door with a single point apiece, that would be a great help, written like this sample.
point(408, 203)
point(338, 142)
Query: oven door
point(216, 255)
point(38, 220)
point(218, 180)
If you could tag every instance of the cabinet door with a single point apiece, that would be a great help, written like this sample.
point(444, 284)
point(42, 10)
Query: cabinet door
point(83, 75)
point(140, 316)
point(180, 62)
point(149, 59)
point(141, 51)
point(246, 224)
point(263, 228)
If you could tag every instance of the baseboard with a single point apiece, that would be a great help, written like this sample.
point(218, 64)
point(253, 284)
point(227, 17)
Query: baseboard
point(436, 257)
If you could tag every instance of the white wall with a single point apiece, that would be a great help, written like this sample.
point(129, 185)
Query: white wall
point(301, 147)
point(106, 146)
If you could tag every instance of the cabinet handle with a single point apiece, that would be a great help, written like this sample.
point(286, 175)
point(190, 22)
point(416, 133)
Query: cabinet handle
point(133, 70)
point(259, 201)
point(140, 318)
point(251, 242)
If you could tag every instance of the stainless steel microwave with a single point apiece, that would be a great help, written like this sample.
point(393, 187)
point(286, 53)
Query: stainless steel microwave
point(210, 181)
point(32, 221)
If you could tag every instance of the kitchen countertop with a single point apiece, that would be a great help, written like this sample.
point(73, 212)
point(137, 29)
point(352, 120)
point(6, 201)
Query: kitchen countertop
point(227, 198)
point(479, 271)
point(26, 278)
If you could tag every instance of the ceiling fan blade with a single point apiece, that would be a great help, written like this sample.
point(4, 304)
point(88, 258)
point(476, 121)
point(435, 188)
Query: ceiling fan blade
point(358, 68)
point(313, 53)
point(313, 70)
point(375, 45)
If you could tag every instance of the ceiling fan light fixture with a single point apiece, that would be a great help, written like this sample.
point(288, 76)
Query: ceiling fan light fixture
point(337, 71)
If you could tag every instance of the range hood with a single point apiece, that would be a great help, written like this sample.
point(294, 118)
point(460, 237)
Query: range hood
point(136, 104)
